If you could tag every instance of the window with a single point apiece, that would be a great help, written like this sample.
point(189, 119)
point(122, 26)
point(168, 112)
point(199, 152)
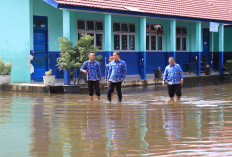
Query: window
point(93, 28)
point(124, 36)
point(154, 39)
point(181, 39)
point(39, 22)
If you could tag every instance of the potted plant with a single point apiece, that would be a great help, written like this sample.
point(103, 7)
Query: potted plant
point(5, 70)
point(228, 67)
point(49, 80)
point(73, 56)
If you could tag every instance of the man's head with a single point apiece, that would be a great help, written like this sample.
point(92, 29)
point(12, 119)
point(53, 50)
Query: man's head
point(171, 61)
point(116, 56)
point(111, 58)
point(91, 56)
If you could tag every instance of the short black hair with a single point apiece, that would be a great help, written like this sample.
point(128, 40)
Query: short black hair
point(117, 53)
point(172, 58)
point(90, 53)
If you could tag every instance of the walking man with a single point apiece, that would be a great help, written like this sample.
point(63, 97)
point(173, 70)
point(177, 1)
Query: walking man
point(92, 69)
point(107, 71)
point(174, 76)
point(117, 72)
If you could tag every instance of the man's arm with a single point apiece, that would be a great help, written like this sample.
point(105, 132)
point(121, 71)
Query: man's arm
point(124, 70)
point(164, 76)
point(109, 72)
point(84, 67)
point(181, 76)
point(99, 71)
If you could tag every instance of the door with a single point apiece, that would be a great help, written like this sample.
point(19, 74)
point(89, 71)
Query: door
point(40, 60)
point(206, 49)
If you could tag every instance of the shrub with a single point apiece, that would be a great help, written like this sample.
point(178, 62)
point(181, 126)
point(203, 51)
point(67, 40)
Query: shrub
point(5, 68)
point(48, 73)
point(228, 67)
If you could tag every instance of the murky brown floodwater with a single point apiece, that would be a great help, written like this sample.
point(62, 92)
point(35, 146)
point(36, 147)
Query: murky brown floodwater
point(145, 124)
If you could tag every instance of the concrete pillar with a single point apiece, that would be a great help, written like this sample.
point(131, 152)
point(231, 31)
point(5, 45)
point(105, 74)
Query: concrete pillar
point(173, 38)
point(67, 34)
point(108, 48)
point(142, 44)
point(221, 48)
point(198, 48)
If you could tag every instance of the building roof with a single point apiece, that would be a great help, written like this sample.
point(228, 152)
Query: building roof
point(219, 10)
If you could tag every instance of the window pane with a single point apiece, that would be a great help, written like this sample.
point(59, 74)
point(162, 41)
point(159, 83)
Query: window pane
point(178, 43)
point(147, 43)
point(124, 28)
point(178, 31)
point(79, 35)
point(124, 42)
point(90, 25)
point(184, 43)
point(92, 36)
point(116, 27)
point(39, 23)
point(132, 42)
point(159, 29)
point(99, 26)
point(99, 41)
point(132, 28)
point(184, 31)
point(153, 29)
point(147, 28)
point(160, 43)
point(153, 43)
point(116, 42)
point(81, 24)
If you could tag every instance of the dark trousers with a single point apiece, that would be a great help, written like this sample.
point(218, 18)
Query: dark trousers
point(94, 85)
point(174, 89)
point(111, 89)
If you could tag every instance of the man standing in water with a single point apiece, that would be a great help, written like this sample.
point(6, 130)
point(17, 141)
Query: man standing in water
point(117, 72)
point(92, 69)
point(107, 70)
point(174, 76)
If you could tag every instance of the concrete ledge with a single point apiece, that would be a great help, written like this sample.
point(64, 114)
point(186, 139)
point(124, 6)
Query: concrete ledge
point(40, 88)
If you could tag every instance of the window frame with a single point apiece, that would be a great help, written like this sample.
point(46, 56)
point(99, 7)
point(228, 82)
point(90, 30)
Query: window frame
point(95, 32)
point(120, 33)
point(149, 34)
point(181, 36)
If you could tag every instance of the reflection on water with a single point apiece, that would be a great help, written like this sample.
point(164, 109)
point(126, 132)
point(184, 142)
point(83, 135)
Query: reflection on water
point(145, 124)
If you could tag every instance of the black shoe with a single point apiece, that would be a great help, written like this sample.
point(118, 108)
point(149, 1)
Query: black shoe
point(109, 100)
point(119, 100)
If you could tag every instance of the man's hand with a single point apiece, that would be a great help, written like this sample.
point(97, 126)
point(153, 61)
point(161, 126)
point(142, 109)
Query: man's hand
point(107, 82)
point(84, 71)
point(181, 81)
point(163, 83)
point(100, 81)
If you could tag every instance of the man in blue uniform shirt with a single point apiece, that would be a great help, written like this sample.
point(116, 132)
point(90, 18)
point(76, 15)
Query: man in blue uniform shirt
point(174, 76)
point(117, 72)
point(92, 69)
point(111, 58)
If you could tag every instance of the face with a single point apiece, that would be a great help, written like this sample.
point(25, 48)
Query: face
point(116, 56)
point(111, 58)
point(171, 61)
point(92, 56)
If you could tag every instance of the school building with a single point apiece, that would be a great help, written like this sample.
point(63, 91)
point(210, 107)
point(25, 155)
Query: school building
point(145, 32)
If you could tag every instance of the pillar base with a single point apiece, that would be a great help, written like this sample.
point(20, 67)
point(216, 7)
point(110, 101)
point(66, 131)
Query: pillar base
point(221, 62)
point(142, 56)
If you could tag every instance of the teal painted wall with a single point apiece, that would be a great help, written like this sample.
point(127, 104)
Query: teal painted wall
point(55, 22)
point(15, 37)
point(228, 39)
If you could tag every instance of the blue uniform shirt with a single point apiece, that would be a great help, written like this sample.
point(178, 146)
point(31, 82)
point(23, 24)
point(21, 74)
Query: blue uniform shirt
point(93, 70)
point(117, 71)
point(173, 74)
point(107, 70)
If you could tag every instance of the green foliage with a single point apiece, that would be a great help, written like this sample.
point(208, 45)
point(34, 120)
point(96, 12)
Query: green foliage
point(228, 67)
point(48, 73)
point(5, 68)
point(73, 56)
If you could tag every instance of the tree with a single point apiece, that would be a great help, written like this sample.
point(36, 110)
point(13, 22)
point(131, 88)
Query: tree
point(73, 56)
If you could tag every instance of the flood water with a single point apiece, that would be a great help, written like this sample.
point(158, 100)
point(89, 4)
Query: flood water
point(144, 124)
